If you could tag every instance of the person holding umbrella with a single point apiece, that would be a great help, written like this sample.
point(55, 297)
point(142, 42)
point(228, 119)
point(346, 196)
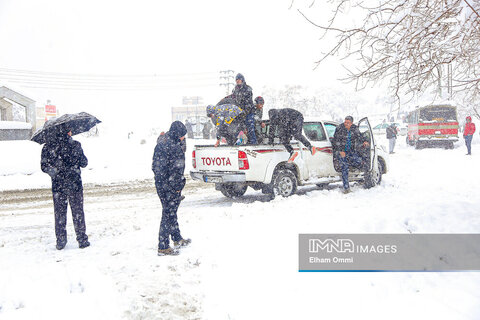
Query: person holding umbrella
point(62, 158)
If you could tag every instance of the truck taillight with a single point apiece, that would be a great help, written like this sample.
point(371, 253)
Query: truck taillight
point(243, 161)
point(194, 161)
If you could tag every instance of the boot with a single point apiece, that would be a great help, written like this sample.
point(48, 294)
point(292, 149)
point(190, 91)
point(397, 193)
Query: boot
point(182, 243)
point(84, 244)
point(168, 252)
point(61, 244)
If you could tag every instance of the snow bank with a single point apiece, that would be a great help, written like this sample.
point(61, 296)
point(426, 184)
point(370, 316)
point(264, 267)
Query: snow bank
point(243, 261)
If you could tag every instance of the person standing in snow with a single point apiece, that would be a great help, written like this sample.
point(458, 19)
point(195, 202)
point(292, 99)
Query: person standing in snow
point(288, 123)
point(346, 139)
point(207, 127)
point(468, 132)
point(391, 132)
point(168, 166)
point(242, 95)
point(189, 127)
point(62, 158)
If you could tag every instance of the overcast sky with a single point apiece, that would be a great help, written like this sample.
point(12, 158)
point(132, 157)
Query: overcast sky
point(269, 43)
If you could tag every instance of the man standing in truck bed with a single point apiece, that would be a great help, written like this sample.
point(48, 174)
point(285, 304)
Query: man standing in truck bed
point(288, 122)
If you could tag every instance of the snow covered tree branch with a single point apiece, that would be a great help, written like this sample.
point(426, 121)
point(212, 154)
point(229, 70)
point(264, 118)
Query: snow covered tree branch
point(416, 45)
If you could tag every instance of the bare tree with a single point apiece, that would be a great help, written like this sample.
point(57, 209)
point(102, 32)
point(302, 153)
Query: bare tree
point(416, 45)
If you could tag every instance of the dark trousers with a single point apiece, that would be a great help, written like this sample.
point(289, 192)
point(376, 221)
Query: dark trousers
point(468, 143)
point(351, 159)
point(296, 132)
point(250, 123)
point(169, 224)
point(60, 202)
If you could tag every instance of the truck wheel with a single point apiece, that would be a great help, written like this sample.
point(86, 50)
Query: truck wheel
point(233, 190)
point(284, 183)
point(410, 142)
point(373, 178)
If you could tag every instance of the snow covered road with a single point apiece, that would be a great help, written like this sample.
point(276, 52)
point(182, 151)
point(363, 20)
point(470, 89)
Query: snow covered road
point(243, 262)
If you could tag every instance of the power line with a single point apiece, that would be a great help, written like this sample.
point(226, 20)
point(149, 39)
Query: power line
point(115, 88)
point(87, 75)
point(71, 81)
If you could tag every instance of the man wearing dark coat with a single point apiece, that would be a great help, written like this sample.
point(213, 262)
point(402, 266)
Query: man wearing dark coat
point(243, 96)
point(288, 123)
point(391, 133)
point(346, 140)
point(168, 166)
point(62, 158)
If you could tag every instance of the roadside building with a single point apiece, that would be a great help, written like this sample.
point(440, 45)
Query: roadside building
point(18, 119)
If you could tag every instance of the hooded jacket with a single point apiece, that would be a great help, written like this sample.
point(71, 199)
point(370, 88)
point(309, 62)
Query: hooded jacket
point(469, 128)
point(169, 160)
point(62, 158)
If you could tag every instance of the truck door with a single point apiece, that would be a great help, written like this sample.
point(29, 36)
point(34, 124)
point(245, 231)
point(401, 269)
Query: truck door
point(368, 153)
point(319, 165)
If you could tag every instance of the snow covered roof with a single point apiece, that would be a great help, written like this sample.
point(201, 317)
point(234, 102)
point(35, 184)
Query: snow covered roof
point(15, 125)
point(20, 90)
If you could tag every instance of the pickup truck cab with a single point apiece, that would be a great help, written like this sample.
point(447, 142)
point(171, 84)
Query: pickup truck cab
point(264, 166)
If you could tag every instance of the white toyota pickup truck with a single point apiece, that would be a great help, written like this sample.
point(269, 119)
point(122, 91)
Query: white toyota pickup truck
point(264, 166)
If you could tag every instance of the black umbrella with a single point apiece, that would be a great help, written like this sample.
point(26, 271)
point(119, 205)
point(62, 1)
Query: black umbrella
point(77, 123)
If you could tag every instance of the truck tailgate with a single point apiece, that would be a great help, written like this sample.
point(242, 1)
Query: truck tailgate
point(216, 159)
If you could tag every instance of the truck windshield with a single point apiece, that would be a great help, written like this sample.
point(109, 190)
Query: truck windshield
point(438, 114)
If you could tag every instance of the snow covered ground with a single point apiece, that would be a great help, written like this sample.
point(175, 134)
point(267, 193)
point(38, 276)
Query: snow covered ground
point(243, 262)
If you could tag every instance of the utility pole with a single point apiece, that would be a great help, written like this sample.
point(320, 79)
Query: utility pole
point(225, 77)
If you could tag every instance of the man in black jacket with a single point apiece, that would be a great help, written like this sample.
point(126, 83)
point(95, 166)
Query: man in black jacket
point(346, 140)
point(168, 166)
point(243, 97)
point(391, 133)
point(62, 158)
point(288, 123)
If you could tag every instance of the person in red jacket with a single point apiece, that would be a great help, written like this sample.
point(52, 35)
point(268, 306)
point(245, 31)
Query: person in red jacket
point(468, 132)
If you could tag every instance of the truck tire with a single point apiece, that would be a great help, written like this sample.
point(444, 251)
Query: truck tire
point(449, 145)
point(233, 190)
point(410, 142)
point(373, 178)
point(284, 183)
